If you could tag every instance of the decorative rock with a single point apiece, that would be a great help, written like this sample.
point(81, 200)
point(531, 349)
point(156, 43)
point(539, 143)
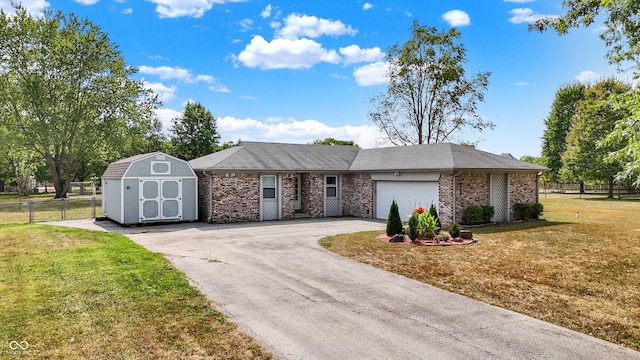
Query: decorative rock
point(466, 234)
point(397, 238)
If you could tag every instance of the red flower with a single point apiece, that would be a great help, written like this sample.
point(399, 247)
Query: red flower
point(420, 210)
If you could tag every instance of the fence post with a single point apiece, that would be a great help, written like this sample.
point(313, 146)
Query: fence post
point(93, 206)
point(31, 206)
point(63, 205)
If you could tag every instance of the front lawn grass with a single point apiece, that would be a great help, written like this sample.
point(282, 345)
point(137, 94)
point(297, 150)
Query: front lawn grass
point(580, 273)
point(80, 294)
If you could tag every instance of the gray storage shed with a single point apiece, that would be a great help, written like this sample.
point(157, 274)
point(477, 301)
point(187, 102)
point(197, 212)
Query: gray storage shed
point(153, 187)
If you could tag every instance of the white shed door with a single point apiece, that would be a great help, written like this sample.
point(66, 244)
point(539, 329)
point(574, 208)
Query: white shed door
point(160, 199)
point(408, 195)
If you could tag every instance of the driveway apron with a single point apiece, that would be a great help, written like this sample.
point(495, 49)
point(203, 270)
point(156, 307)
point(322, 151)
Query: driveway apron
point(303, 302)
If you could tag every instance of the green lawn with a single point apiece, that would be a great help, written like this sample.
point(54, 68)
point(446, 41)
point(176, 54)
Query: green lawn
point(15, 209)
point(581, 273)
point(79, 294)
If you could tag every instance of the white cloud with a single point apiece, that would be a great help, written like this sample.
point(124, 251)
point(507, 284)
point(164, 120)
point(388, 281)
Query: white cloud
point(518, 1)
point(285, 54)
point(367, 6)
point(127, 11)
point(34, 7)
point(294, 131)
point(266, 12)
point(191, 8)
point(523, 83)
point(587, 76)
point(526, 15)
point(354, 54)
point(86, 2)
point(165, 93)
point(219, 88)
point(371, 74)
point(165, 116)
point(296, 26)
point(176, 73)
point(246, 24)
point(408, 14)
point(456, 18)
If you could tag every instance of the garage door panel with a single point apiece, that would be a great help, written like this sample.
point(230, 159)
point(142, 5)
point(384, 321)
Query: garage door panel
point(408, 195)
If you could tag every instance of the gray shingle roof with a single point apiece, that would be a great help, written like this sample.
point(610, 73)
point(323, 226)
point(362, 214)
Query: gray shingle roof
point(260, 156)
point(116, 170)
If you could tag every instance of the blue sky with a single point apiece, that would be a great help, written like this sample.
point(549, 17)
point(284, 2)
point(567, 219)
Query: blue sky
point(295, 71)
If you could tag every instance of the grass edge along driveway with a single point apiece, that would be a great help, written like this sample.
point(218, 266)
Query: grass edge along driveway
point(580, 273)
point(76, 294)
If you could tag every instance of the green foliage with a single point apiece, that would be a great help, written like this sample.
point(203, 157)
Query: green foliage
point(557, 126)
point(429, 97)
point(454, 230)
point(413, 225)
point(394, 222)
point(194, 133)
point(487, 213)
point(434, 212)
point(626, 132)
point(523, 211)
point(332, 141)
point(427, 225)
point(587, 157)
point(65, 90)
point(473, 215)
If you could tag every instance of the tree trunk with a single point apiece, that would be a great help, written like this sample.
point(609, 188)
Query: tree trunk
point(61, 182)
point(610, 196)
point(581, 187)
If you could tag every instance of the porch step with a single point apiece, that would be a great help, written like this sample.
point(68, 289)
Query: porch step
point(301, 215)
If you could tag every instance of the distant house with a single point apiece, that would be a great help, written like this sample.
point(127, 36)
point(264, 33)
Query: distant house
point(256, 181)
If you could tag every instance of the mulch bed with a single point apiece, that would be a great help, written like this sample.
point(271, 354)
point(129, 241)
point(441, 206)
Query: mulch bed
point(407, 241)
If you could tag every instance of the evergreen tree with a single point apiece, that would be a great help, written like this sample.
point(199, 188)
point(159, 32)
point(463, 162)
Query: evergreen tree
point(394, 223)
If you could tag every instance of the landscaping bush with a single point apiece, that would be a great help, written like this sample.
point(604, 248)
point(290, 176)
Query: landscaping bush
point(394, 223)
point(536, 210)
point(522, 211)
point(472, 215)
point(413, 225)
point(434, 213)
point(454, 231)
point(487, 213)
point(427, 225)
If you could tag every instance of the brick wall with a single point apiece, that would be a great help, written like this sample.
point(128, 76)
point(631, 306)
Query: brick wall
point(471, 189)
point(357, 195)
point(523, 188)
point(203, 196)
point(288, 194)
point(445, 199)
point(235, 197)
point(313, 194)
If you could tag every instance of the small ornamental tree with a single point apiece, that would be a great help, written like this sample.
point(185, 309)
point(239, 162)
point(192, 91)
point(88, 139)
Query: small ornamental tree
point(394, 223)
point(434, 213)
point(413, 225)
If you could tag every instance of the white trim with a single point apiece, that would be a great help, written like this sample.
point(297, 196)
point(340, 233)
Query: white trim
point(153, 172)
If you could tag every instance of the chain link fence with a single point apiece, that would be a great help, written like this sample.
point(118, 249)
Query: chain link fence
point(32, 211)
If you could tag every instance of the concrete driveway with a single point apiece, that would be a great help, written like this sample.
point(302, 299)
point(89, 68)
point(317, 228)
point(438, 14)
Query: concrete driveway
point(303, 302)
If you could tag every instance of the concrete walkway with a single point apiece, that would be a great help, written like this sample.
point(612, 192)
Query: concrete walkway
point(303, 302)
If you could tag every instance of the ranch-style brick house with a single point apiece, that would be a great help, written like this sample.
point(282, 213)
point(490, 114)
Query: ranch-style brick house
point(255, 181)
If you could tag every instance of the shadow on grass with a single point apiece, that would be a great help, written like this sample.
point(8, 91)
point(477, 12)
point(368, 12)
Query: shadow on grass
point(597, 197)
point(517, 226)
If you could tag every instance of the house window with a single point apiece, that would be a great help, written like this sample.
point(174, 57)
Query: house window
point(331, 184)
point(269, 187)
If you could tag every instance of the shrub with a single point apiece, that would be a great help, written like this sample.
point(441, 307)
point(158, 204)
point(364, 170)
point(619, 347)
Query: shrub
point(394, 222)
point(427, 225)
point(536, 210)
point(454, 230)
point(472, 215)
point(442, 237)
point(413, 225)
point(521, 211)
point(487, 213)
point(434, 213)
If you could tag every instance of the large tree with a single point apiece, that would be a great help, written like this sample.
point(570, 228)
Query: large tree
point(587, 157)
point(621, 22)
point(429, 97)
point(67, 89)
point(333, 141)
point(194, 133)
point(627, 133)
point(557, 126)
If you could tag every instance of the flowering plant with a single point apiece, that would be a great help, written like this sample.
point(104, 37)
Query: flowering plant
point(420, 210)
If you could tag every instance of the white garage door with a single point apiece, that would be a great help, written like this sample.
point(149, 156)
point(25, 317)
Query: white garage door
point(408, 195)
